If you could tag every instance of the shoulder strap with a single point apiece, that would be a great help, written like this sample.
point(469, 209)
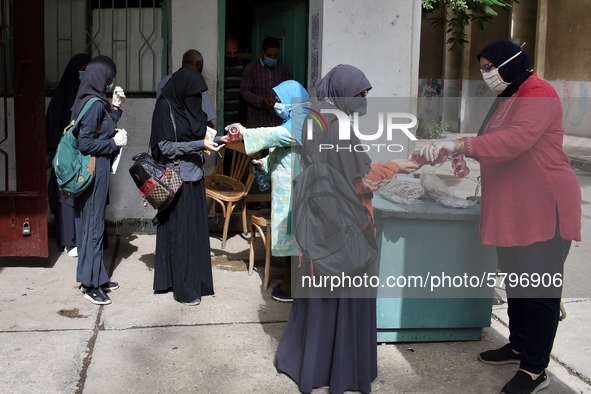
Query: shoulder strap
point(85, 110)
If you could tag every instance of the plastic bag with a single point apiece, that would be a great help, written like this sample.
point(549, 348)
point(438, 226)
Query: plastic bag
point(459, 166)
point(440, 192)
point(435, 187)
point(455, 202)
point(403, 192)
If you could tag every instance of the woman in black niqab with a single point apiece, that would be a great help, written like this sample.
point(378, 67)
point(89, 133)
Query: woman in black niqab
point(57, 118)
point(183, 262)
point(95, 137)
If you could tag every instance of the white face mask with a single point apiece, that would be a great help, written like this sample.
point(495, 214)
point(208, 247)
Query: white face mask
point(282, 110)
point(494, 80)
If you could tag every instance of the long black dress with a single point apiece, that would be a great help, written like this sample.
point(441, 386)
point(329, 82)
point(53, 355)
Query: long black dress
point(183, 261)
point(333, 342)
point(91, 205)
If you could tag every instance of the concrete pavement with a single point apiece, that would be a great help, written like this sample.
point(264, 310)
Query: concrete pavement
point(52, 340)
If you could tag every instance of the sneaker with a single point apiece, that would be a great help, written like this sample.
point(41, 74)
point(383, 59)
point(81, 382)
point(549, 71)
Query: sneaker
point(191, 303)
point(280, 295)
point(97, 296)
point(73, 252)
point(522, 383)
point(504, 355)
point(105, 286)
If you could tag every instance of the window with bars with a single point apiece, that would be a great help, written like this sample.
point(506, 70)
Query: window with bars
point(132, 32)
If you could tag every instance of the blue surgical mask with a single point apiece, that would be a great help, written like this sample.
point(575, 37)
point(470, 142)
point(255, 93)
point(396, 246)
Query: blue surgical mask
point(111, 87)
point(282, 110)
point(269, 62)
point(80, 75)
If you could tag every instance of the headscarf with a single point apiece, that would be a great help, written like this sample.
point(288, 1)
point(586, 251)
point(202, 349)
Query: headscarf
point(340, 84)
point(292, 93)
point(183, 92)
point(58, 110)
point(515, 72)
point(99, 73)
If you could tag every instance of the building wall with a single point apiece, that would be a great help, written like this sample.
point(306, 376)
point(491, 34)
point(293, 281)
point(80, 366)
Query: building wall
point(567, 40)
point(432, 50)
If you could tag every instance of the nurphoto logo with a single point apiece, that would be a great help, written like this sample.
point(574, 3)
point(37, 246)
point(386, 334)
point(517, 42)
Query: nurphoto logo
point(346, 124)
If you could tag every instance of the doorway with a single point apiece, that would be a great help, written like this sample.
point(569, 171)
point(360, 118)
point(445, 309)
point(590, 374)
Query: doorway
point(250, 22)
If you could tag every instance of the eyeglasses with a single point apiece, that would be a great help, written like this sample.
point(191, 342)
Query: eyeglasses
point(362, 94)
point(487, 67)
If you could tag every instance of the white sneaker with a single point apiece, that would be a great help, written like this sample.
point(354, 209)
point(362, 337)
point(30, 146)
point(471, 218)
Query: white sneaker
point(73, 252)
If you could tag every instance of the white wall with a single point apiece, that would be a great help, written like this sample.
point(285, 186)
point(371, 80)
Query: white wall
point(194, 25)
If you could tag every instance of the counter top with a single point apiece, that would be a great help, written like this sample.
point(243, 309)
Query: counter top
point(428, 210)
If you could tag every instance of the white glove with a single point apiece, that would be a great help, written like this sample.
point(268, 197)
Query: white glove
point(120, 137)
point(118, 97)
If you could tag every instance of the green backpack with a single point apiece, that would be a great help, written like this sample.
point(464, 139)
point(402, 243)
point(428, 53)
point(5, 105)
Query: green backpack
point(74, 171)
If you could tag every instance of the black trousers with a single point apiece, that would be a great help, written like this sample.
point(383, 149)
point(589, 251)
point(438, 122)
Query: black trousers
point(534, 311)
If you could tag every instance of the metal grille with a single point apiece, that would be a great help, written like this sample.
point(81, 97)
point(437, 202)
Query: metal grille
point(133, 33)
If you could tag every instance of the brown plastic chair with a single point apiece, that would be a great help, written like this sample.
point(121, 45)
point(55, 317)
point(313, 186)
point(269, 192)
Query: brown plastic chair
point(229, 190)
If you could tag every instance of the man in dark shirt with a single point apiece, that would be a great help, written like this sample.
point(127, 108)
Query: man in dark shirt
point(258, 79)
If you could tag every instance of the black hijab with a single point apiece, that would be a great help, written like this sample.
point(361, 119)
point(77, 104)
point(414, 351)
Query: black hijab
point(99, 73)
point(183, 92)
point(515, 72)
point(339, 86)
point(58, 110)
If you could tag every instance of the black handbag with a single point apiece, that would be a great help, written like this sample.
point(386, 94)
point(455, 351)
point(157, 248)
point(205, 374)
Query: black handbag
point(157, 183)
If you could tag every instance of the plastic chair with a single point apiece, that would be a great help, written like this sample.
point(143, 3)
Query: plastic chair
point(229, 190)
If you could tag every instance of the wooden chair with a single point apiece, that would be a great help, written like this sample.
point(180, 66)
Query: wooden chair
point(258, 222)
point(229, 190)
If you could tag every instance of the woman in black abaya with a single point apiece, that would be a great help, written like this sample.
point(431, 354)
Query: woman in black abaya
point(333, 341)
point(183, 261)
point(57, 118)
point(98, 137)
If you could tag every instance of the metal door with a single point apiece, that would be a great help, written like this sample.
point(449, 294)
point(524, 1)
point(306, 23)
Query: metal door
point(23, 210)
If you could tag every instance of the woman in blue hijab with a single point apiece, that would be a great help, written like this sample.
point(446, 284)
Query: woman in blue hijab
point(283, 143)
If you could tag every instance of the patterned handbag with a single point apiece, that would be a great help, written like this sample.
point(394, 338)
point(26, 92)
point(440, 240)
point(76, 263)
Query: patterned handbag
point(157, 183)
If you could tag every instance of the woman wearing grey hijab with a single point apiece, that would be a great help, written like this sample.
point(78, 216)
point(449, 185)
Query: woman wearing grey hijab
point(333, 341)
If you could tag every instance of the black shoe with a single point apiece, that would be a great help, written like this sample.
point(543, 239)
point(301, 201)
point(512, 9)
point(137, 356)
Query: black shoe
point(504, 355)
point(280, 295)
point(105, 286)
point(97, 296)
point(522, 383)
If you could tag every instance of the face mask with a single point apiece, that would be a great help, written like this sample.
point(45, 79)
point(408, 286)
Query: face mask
point(80, 75)
point(282, 110)
point(359, 105)
point(111, 87)
point(231, 61)
point(269, 62)
point(493, 78)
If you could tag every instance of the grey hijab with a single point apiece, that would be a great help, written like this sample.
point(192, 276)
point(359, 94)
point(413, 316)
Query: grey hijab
point(340, 86)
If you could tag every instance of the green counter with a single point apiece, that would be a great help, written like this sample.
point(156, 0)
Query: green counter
point(427, 240)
